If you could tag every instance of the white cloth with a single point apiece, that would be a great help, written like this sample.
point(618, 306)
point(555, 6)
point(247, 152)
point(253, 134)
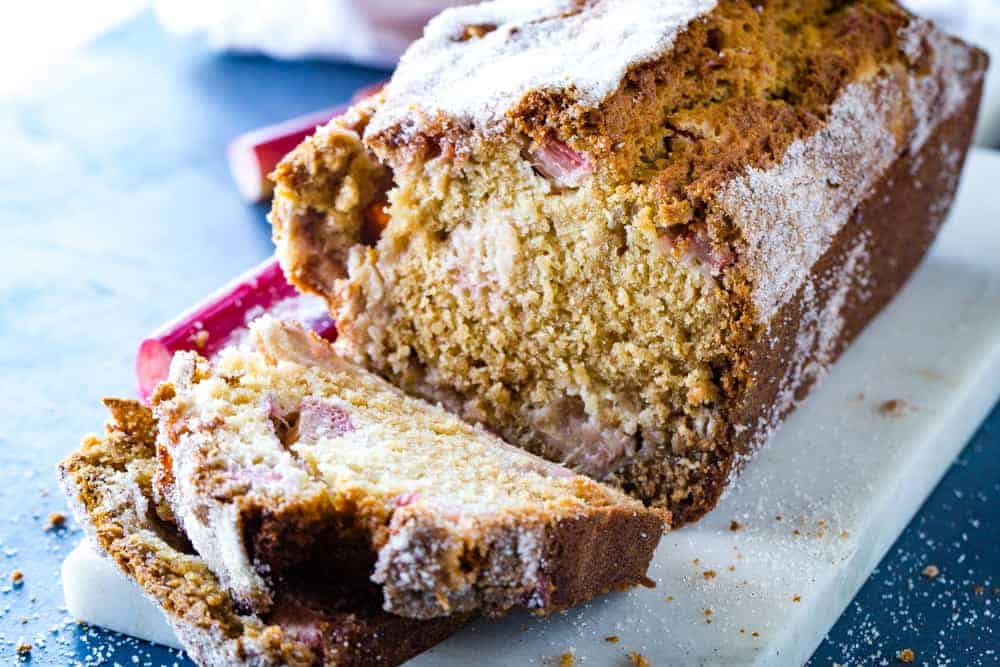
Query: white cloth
point(365, 31)
point(376, 31)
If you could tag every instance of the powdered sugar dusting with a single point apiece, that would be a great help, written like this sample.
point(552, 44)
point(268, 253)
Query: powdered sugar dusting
point(819, 329)
point(943, 92)
point(475, 63)
point(788, 214)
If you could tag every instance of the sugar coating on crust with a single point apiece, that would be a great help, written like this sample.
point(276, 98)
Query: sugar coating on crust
point(788, 213)
point(587, 282)
point(474, 64)
point(292, 443)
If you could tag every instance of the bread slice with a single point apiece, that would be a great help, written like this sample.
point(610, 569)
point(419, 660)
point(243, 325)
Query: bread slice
point(629, 235)
point(109, 485)
point(286, 457)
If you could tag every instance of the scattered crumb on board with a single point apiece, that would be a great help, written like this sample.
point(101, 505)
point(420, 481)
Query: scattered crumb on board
point(639, 660)
point(893, 408)
point(56, 521)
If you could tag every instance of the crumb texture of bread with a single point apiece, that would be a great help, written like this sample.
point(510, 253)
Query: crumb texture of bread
point(108, 483)
point(287, 453)
point(598, 263)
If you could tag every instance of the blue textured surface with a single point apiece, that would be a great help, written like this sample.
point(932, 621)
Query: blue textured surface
point(118, 213)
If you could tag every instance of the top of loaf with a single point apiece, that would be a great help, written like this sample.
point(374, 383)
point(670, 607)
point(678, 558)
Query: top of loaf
point(475, 64)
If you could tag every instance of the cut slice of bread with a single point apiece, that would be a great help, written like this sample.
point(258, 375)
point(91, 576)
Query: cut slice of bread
point(287, 457)
point(108, 482)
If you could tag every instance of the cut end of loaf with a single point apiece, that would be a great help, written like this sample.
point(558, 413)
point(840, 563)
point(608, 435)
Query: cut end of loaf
point(289, 444)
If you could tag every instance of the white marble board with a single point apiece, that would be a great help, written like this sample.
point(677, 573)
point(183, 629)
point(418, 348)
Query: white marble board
point(845, 474)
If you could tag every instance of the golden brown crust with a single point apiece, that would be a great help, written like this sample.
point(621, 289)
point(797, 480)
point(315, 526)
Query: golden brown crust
point(898, 221)
point(108, 483)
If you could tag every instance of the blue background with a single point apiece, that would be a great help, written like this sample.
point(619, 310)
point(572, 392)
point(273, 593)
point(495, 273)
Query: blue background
point(118, 212)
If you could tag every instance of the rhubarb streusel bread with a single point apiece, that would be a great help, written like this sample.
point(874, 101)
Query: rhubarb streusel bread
point(287, 457)
point(108, 482)
point(629, 235)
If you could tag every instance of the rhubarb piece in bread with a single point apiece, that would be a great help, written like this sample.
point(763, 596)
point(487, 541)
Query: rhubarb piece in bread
point(108, 482)
point(287, 455)
point(629, 235)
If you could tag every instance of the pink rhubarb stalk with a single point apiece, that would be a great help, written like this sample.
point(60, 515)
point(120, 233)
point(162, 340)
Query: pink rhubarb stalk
point(254, 155)
point(223, 319)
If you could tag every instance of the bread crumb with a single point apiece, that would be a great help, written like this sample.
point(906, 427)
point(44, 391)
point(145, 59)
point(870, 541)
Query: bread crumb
point(566, 659)
point(796, 598)
point(734, 525)
point(639, 660)
point(612, 639)
point(931, 571)
point(17, 577)
point(708, 612)
point(892, 408)
point(708, 574)
point(670, 598)
point(23, 648)
point(906, 655)
point(56, 521)
point(755, 634)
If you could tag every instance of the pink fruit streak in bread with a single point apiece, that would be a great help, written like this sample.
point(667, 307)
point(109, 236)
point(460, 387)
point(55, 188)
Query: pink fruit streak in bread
point(319, 419)
point(223, 317)
point(561, 164)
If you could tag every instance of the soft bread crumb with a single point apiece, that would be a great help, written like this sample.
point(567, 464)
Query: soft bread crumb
point(931, 572)
point(906, 655)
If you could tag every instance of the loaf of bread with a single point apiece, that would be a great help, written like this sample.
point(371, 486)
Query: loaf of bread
point(108, 482)
point(285, 458)
point(630, 235)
